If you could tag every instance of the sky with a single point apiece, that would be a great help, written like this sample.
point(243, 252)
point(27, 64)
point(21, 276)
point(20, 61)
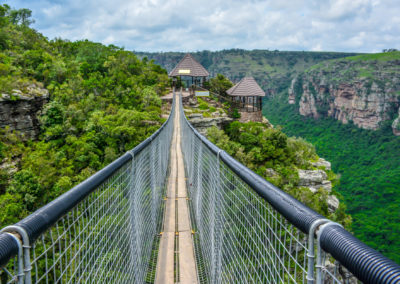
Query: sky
point(187, 25)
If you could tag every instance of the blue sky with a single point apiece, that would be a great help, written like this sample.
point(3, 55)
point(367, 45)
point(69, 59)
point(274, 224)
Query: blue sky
point(186, 25)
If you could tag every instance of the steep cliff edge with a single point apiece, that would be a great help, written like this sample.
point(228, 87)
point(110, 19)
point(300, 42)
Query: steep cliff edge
point(363, 89)
point(18, 110)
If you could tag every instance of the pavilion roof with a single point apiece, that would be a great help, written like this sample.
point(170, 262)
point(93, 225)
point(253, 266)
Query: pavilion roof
point(247, 87)
point(189, 66)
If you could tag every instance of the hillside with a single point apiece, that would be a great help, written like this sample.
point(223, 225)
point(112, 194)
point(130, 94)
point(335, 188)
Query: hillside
point(273, 70)
point(364, 89)
point(67, 109)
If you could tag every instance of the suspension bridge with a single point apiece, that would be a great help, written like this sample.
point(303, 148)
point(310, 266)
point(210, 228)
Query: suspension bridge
point(177, 209)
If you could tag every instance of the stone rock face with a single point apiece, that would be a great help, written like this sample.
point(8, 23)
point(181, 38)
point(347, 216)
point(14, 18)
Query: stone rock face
point(340, 90)
point(333, 203)
point(292, 95)
point(270, 172)
point(266, 122)
point(307, 104)
point(10, 166)
point(250, 116)
point(322, 163)
point(203, 123)
point(18, 111)
point(314, 180)
point(396, 125)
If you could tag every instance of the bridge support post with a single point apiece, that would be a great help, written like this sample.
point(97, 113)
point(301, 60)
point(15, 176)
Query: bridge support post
point(199, 189)
point(310, 254)
point(217, 231)
point(26, 254)
point(191, 158)
point(153, 184)
point(319, 264)
point(133, 217)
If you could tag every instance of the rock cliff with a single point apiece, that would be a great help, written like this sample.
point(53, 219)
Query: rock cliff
point(396, 125)
point(366, 92)
point(18, 110)
point(203, 123)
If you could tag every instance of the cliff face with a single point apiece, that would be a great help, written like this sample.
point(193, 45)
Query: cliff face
point(396, 125)
point(362, 91)
point(18, 110)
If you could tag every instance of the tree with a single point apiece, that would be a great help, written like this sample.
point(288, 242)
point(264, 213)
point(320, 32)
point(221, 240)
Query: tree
point(4, 10)
point(220, 84)
point(21, 16)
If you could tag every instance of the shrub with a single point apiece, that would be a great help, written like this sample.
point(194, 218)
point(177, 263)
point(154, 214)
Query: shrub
point(235, 113)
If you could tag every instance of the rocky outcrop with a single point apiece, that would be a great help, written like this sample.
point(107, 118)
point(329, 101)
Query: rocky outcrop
point(307, 105)
point(203, 123)
point(322, 163)
point(251, 116)
point(396, 125)
point(366, 93)
point(333, 203)
point(315, 180)
point(18, 110)
point(292, 95)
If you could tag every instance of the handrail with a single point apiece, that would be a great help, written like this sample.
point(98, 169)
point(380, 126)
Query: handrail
point(365, 263)
point(38, 222)
point(8, 248)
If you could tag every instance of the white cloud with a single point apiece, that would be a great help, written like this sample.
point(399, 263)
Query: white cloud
point(188, 25)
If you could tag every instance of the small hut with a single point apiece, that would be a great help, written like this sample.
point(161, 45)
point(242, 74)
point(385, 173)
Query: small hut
point(246, 97)
point(190, 72)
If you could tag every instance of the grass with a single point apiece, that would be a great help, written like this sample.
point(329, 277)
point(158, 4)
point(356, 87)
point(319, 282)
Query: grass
point(365, 73)
point(385, 56)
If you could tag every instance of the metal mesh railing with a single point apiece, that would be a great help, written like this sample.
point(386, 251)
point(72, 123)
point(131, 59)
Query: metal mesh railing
point(248, 231)
point(108, 227)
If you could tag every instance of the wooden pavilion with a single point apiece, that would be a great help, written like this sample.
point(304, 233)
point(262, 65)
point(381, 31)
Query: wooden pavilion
point(246, 97)
point(190, 72)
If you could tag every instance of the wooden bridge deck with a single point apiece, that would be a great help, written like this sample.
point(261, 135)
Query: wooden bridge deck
point(176, 262)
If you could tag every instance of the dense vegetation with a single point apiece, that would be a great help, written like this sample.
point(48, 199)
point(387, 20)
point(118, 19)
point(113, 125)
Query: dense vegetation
point(103, 101)
point(273, 70)
point(368, 162)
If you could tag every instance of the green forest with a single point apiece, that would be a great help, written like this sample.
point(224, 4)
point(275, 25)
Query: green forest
point(103, 101)
point(368, 164)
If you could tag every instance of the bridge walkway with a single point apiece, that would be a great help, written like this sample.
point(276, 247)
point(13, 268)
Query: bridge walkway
point(176, 262)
